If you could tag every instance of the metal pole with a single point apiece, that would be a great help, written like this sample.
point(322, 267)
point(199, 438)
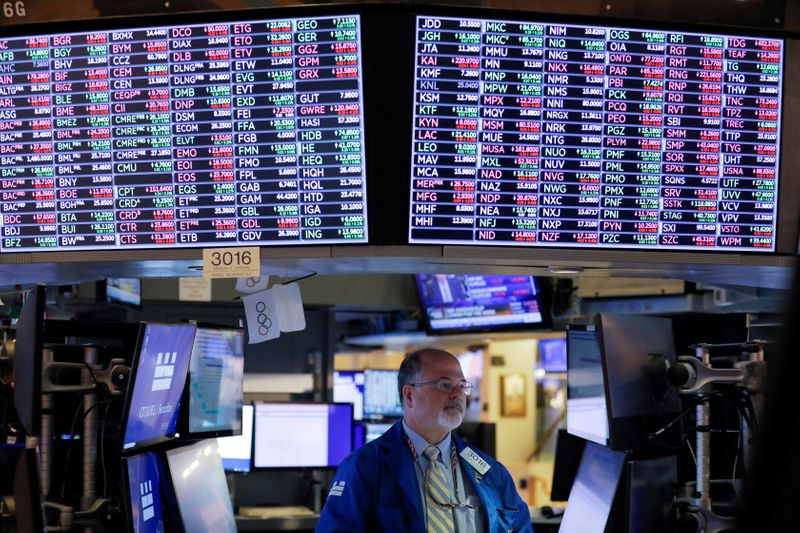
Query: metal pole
point(703, 438)
point(89, 436)
point(46, 441)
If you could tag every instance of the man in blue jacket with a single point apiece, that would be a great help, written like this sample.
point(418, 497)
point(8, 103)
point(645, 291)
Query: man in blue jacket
point(418, 476)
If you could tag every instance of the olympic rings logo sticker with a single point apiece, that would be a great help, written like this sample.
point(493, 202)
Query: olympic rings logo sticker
point(264, 320)
point(252, 282)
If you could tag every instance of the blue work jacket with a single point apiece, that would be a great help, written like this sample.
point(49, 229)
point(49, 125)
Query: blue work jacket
point(376, 489)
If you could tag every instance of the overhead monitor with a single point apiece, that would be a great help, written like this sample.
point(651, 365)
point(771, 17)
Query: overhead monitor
point(537, 133)
point(348, 387)
point(380, 394)
point(587, 414)
point(553, 355)
point(459, 303)
point(213, 400)
point(301, 435)
point(142, 497)
point(237, 451)
point(220, 130)
point(124, 291)
point(200, 489)
point(592, 495)
point(28, 361)
point(158, 376)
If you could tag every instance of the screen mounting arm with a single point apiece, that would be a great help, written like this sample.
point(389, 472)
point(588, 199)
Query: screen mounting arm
point(114, 377)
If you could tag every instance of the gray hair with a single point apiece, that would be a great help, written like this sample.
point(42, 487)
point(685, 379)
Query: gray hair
point(409, 370)
point(411, 367)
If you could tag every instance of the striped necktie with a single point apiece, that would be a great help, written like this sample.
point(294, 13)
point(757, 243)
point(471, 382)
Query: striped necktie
point(437, 491)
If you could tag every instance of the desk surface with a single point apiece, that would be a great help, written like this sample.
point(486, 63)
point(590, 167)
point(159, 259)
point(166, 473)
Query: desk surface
point(290, 518)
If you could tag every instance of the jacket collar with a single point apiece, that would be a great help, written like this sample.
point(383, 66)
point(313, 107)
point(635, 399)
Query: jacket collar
point(397, 456)
point(395, 453)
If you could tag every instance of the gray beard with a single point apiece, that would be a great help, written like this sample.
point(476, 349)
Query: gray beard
point(450, 421)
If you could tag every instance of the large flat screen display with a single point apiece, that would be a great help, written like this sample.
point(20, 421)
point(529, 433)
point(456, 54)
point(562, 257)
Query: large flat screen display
point(158, 377)
point(592, 495)
point(237, 451)
point(201, 492)
point(544, 134)
point(380, 394)
point(302, 435)
point(348, 387)
point(456, 303)
point(587, 410)
point(144, 499)
point(214, 388)
point(225, 133)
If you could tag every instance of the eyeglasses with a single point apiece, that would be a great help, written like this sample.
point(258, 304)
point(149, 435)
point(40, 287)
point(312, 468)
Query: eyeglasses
point(447, 385)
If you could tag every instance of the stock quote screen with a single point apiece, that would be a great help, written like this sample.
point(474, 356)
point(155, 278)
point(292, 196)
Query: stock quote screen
point(547, 134)
point(246, 132)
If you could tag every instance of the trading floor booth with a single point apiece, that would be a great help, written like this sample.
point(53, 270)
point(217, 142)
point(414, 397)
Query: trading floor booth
point(412, 175)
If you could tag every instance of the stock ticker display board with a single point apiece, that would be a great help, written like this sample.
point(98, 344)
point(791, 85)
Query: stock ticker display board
point(548, 134)
point(246, 132)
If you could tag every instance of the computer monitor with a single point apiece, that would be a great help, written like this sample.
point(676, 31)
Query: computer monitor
point(647, 487)
point(373, 431)
point(212, 403)
point(643, 411)
point(359, 435)
point(299, 435)
point(460, 303)
point(481, 435)
point(142, 500)
point(199, 486)
point(380, 394)
point(348, 387)
point(553, 355)
point(126, 291)
point(237, 451)
point(28, 361)
point(28, 496)
point(587, 416)
point(158, 376)
point(592, 495)
point(569, 450)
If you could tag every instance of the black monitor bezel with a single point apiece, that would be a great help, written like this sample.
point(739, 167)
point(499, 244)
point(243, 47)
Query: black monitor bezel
point(28, 391)
point(219, 16)
point(388, 178)
point(543, 297)
point(147, 443)
point(622, 435)
point(184, 412)
point(28, 490)
point(256, 468)
point(786, 234)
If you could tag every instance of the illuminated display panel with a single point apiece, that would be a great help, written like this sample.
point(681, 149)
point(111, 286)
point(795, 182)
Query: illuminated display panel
point(542, 134)
point(226, 133)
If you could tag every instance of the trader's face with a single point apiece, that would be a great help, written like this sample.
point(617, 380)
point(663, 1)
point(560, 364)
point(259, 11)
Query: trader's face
point(428, 406)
